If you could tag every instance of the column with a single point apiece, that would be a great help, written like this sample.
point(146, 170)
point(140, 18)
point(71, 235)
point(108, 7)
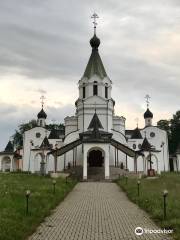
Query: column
point(11, 167)
point(64, 161)
point(85, 164)
point(107, 162)
point(144, 165)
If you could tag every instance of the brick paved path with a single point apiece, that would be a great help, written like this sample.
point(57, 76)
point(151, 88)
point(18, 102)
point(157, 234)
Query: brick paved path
point(96, 211)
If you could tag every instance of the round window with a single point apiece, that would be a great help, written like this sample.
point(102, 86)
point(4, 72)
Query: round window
point(139, 146)
point(152, 134)
point(38, 135)
point(134, 146)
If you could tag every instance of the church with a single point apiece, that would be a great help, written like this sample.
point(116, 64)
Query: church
point(95, 140)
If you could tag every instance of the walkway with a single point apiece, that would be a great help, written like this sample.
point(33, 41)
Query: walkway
point(96, 211)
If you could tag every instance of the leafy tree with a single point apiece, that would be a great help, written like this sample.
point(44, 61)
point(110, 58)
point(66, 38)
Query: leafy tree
point(172, 127)
point(55, 126)
point(175, 131)
point(164, 125)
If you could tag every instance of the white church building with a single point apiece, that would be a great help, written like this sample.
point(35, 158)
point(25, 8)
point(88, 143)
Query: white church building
point(94, 138)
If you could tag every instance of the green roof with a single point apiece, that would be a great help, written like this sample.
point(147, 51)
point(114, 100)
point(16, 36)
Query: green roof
point(95, 66)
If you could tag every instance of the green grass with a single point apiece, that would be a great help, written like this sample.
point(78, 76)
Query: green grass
point(14, 223)
point(151, 198)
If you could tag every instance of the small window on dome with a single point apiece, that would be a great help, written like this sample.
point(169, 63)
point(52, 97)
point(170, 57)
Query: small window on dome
point(134, 146)
point(152, 134)
point(139, 146)
point(38, 135)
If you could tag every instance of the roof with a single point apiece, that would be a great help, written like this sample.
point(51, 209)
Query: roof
point(42, 114)
point(45, 143)
point(148, 114)
point(128, 132)
point(95, 65)
point(9, 147)
point(146, 146)
point(136, 134)
point(56, 133)
point(94, 134)
point(95, 122)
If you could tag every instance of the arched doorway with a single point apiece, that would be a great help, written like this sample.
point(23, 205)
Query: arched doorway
point(95, 158)
point(6, 164)
point(37, 162)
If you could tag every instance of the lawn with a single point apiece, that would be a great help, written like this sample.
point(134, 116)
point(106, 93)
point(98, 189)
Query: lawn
point(151, 198)
point(14, 223)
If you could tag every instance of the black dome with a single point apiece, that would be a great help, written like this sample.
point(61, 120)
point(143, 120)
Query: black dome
point(148, 114)
point(42, 114)
point(95, 42)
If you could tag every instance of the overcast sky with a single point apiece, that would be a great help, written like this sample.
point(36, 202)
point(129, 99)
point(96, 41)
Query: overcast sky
point(44, 49)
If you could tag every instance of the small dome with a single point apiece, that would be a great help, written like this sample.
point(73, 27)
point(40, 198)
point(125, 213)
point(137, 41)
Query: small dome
point(42, 114)
point(95, 42)
point(148, 114)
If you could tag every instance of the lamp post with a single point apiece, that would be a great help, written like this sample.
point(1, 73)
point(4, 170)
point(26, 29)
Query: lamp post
point(66, 179)
point(55, 158)
point(54, 186)
point(165, 193)
point(126, 179)
point(27, 194)
point(138, 187)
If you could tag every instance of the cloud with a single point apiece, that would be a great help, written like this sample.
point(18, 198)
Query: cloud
point(13, 116)
point(44, 49)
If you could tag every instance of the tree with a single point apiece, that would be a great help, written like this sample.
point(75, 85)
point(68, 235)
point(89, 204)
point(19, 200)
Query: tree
point(55, 126)
point(172, 127)
point(175, 131)
point(164, 125)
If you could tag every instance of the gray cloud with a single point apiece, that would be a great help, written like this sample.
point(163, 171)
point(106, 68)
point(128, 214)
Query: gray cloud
point(13, 116)
point(49, 41)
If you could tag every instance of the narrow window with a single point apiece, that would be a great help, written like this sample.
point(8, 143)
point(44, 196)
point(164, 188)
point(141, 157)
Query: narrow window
point(106, 92)
point(95, 89)
point(84, 92)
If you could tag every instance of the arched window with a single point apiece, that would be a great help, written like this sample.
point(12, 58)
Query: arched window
point(95, 89)
point(106, 91)
point(84, 91)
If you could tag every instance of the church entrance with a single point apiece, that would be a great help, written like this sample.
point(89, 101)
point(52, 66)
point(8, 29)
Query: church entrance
point(95, 158)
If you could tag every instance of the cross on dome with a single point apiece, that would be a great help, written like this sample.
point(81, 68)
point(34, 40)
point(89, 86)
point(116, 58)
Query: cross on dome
point(147, 97)
point(42, 100)
point(137, 121)
point(94, 16)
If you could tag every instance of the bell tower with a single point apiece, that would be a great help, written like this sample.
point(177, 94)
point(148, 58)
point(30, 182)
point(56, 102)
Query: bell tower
point(95, 89)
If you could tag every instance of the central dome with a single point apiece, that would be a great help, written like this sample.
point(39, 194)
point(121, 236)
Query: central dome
point(95, 42)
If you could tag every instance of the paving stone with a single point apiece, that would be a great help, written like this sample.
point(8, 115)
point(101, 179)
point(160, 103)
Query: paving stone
point(96, 211)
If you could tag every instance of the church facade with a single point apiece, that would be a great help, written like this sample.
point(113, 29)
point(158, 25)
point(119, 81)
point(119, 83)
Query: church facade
point(94, 138)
